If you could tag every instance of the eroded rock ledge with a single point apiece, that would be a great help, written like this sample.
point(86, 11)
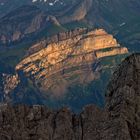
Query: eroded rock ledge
point(120, 120)
point(82, 49)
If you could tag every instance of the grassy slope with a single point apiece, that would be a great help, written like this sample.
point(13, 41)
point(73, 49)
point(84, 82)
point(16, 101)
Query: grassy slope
point(9, 57)
point(129, 34)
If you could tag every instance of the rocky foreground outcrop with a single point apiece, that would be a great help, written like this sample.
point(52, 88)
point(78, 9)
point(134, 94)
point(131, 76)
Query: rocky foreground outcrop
point(120, 120)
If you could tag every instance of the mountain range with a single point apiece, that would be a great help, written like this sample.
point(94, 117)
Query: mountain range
point(117, 17)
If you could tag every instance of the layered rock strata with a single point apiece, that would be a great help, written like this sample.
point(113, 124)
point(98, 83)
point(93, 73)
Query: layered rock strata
point(78, 50)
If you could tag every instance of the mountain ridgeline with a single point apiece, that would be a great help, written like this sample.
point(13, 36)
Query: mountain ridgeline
point(117, 17)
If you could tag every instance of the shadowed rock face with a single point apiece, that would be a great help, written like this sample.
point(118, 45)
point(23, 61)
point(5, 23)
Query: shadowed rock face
point(20, 22)
point(23, 22)
point(78, 12)
point(120, 120)
point(123, 99)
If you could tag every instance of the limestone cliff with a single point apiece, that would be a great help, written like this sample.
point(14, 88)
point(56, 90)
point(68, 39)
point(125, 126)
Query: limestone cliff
point(119, 120)
point(67, 54)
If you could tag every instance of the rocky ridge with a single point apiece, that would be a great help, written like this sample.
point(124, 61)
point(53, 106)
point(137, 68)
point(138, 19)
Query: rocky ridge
point(78, 12)
point(119, 120)
point(67, 54)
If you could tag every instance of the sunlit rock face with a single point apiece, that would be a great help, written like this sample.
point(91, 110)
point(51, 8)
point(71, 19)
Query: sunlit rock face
point(69, 61)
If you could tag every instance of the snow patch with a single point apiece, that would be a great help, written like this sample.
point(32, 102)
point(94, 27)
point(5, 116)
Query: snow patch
point(122, 24)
